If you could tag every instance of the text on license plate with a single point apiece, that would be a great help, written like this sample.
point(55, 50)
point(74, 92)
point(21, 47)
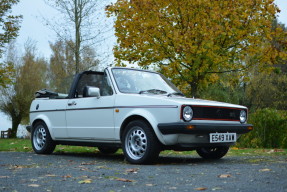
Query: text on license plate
point(222, 137)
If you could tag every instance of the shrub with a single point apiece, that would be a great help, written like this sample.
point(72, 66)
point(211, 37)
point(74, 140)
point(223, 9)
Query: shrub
point(270, 130)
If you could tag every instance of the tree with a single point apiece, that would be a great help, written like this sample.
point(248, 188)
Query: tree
point(62, 62)
point(267, 90)
point(30, 76)
point(80, 14)
point(262, 89)
point(9, 27)
point(192, 42)
point(228, 89)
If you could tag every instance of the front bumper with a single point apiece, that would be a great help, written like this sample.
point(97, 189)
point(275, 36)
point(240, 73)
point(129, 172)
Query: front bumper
point(203, 128)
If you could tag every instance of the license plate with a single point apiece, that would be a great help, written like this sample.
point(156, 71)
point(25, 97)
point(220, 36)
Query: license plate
point(222, 137)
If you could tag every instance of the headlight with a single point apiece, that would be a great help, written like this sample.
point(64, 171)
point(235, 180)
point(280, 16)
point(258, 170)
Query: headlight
point(242, 116)
point(187, 113)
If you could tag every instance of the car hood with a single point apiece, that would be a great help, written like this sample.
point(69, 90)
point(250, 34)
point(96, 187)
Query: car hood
point(193, 101)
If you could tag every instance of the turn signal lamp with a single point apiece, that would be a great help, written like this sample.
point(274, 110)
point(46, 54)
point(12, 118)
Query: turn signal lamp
point(190, 127)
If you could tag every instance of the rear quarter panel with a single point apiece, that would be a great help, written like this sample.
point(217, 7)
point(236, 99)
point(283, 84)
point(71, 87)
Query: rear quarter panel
point(52, 112)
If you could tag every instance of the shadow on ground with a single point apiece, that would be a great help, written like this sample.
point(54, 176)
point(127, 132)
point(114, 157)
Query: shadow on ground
point(162, 160)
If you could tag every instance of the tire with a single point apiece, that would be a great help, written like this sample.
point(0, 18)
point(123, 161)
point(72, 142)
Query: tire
point(42, 142)
point(108, 150)
point(139, 143)
point(212, 152)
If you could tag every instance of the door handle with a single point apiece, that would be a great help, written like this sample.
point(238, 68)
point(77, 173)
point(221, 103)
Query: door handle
point(72, 103)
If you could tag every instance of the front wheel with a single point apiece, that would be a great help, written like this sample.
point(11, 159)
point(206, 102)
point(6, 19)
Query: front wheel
point(212, 152)
point(42, 142)
point(140, 144)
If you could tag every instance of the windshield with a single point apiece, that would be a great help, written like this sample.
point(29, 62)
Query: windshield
point(136, 81)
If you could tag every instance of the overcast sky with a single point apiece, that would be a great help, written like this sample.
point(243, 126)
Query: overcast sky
point(33, 27)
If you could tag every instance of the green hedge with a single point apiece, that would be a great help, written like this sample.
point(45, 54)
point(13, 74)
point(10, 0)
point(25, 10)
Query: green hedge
point(270, 130)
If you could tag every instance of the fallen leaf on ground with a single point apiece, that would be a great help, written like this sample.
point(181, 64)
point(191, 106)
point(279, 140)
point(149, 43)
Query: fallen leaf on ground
point(67, 176)
point(25, 147)
point(85, 181)
point(279, 150)
point(275, 150)
point(264, 170)
point(83, 168)
point(4, 177)
point(200, 188)
point(134, 170)
point(34, 185)
point(50, 175)
point(33, 180)
point(18, 167)
point(102, 167)
point(224, 176)
point(90, 163)
point(124, 180)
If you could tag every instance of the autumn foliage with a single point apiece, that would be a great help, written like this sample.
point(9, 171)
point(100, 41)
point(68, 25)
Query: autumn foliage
point(9, 27)
point(192, 42)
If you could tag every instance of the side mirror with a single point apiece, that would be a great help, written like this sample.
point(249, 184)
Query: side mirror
point(90, 91)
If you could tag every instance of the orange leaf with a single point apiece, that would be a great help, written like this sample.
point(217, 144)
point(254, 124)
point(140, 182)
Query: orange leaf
point(67, 176)
point(124, 180)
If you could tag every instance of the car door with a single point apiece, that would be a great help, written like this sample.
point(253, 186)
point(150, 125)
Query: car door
point(91, 118)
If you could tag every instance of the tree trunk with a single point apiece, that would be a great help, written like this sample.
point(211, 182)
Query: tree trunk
point(16, 120)
point(194, 89)
point(77, 34)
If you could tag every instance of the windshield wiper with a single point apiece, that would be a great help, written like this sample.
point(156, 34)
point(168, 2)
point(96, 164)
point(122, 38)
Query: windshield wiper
point(176, 94)
point(154, 91)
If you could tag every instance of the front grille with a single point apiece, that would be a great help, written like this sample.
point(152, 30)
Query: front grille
point(215, 113)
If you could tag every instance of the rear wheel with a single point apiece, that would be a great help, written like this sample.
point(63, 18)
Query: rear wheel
point(140, 144)
point(42, 142)
point(212, 152)
point(108, 150)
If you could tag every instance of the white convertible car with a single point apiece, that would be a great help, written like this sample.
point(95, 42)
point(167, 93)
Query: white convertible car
point(140, 111)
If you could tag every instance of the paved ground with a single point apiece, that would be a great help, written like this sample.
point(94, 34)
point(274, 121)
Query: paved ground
point(95, 172)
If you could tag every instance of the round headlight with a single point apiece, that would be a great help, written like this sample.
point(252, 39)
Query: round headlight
point(243, 116)
point(187, 113)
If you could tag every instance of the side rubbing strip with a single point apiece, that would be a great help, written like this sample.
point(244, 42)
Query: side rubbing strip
point(96, 108)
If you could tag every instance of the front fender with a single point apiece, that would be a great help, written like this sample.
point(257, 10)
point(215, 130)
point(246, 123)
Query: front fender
point(143, 113)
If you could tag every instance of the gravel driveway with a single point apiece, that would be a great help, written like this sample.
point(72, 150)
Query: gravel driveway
point(96, 172)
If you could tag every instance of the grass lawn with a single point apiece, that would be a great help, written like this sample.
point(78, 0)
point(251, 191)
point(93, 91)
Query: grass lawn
point(24, 145)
